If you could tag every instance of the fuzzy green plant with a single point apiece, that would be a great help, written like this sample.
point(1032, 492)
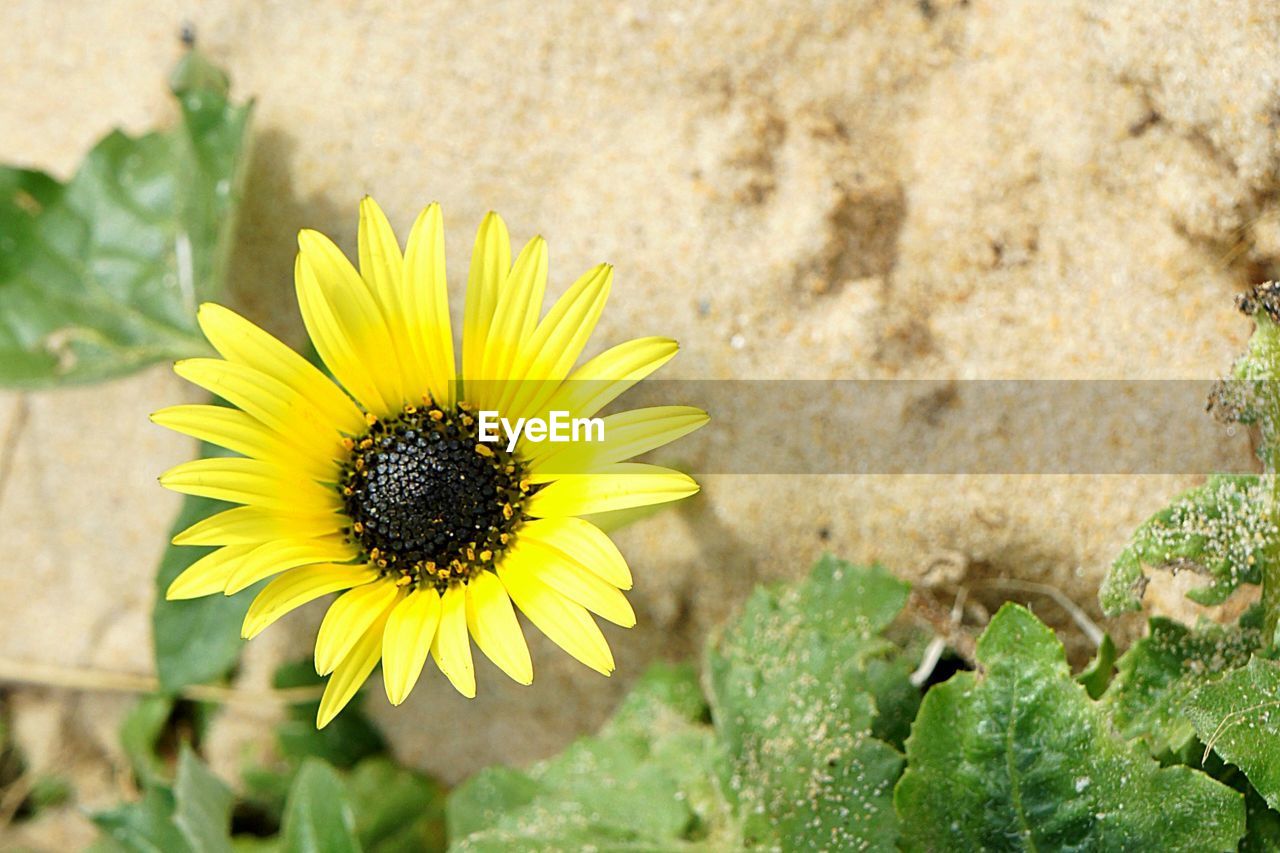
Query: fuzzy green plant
point(1227, 529)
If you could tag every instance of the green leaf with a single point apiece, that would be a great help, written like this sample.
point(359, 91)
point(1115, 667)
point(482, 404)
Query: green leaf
point(793, 687)
point(1238, 717)
point(397, 810)
point(139, 734)
point(318, 816)
point(197, 640)
point(1219, 529)
point(48, 792)
point(1017, 757)
point(145, 826)
point(191, 816)
point(203, 813)
point(1263, 824)
point(1158, 673)
point(350, 738)
point(256, 844)
point(1097, 675)
point(102, 275)
point(487, 797)
point(646, 782)
point(346, 743)
point(896, 699)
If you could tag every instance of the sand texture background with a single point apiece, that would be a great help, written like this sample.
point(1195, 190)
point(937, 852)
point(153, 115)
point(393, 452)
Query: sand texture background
point(878, 188)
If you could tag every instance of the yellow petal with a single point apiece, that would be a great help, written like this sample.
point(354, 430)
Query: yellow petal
point(407, 640)
point(586, 588)
point(268, 399)
point(352, 671)
point(385, 269)
point(626, 434)
point(251, 525)
point(604, 378)
point(271, 558)
point(297, 587)
point(238, 340)
point(545, 359)
point(490, 265)
point(619, 486)
point(209, 574)
point(381, 264)
point(346, 325)
point(582, 542)
point(494, 626)
point(427, 305)
point(514, 319)
point(612, 522)
point(567, 624)
point(348, 618)
point(240, 432)
point(249, 481)
point(451, 649)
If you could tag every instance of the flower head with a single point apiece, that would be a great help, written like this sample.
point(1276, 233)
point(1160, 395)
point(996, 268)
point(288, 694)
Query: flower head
point(385, 488)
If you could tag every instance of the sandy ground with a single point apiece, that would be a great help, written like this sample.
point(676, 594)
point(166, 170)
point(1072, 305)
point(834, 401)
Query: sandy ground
point(849, 189)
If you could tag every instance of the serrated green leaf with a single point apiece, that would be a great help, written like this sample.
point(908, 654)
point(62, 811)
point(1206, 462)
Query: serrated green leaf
point(197, 640)
point(646, 782)
point(1017, 757)
point(318, 817)
point(1238, 717)
point(1158, 672)
point(1263, 825)
point(1219, 529)
point(203, 810)
point(793, 686)
point(102, 276)
point(1097, 675)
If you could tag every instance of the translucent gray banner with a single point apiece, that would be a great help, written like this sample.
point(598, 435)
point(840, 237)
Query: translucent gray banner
point(946, 427)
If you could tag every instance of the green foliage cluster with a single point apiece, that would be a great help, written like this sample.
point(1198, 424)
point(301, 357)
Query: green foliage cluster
point(806, 728)
point(794, 739)
point(101, 276)
point(794, 746)
point(336, 789)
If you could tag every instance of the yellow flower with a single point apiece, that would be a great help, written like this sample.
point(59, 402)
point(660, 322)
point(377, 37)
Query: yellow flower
point(385, 492)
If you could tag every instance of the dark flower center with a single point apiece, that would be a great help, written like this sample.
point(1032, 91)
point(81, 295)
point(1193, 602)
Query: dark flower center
point(427, 500)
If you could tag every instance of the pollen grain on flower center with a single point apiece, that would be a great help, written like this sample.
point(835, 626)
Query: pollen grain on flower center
point(429, 504)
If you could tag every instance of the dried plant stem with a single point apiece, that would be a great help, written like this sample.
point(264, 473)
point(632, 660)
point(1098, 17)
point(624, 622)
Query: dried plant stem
point(9, 442)
point(941, 620)
point(933, 652)
point(12, 798)
point(1077, 614)
point(99, 680)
